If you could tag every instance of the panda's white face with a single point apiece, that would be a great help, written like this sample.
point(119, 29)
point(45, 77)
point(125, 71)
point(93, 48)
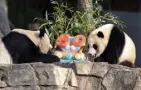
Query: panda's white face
point(45, 44)
point(98, 40)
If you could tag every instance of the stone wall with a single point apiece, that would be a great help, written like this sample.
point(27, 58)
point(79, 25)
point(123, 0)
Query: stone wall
point(69, 76)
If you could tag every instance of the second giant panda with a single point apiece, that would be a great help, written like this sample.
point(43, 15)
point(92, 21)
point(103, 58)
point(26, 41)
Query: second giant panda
point(111, 45)
point(26, 46)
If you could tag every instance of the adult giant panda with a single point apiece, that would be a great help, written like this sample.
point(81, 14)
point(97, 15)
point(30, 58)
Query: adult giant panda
point(109, 44)
point(25, 46)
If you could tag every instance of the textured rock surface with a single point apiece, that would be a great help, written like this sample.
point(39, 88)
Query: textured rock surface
point(69, 76)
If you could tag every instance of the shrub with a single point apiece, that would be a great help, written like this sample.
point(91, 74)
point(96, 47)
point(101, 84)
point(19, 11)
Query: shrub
point(80, 22)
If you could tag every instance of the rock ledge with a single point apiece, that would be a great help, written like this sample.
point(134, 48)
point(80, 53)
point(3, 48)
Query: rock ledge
point(69, 76)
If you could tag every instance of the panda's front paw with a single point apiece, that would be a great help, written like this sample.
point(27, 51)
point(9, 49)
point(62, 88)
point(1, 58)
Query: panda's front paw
point(53, 59)
point(56, 59)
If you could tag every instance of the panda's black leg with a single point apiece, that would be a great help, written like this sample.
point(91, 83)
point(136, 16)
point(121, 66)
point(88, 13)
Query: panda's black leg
point(128, 64)
point(45, 58)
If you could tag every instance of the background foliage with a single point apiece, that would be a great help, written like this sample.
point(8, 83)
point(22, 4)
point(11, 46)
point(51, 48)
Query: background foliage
point(77, 22)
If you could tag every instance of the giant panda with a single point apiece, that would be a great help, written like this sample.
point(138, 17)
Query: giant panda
point(26, 46)
point(109, 44)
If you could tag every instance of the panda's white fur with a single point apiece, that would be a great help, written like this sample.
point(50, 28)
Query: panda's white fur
point(5, 57)
point(25, 46)
point(30, 34)
point(43, 43)
point(128, 53)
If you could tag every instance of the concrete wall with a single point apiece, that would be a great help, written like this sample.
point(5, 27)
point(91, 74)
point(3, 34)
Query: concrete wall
point(133, 23)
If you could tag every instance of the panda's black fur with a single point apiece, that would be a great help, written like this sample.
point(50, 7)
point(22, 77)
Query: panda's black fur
point(23, 50)
point(115, 46)
point(118, 48)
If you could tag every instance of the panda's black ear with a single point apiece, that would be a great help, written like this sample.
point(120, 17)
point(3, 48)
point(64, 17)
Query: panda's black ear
point(42, 32)
point(100, 34)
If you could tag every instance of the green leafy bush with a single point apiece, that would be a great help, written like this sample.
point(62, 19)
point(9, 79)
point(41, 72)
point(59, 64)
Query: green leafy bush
point(80, 22)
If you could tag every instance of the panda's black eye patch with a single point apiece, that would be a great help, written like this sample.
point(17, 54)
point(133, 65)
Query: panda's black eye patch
point(94, 46)
point(100, 34)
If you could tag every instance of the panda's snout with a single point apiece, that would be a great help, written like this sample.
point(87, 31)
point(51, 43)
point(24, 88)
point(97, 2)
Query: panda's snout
point(92, 55)
point(92, 52)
